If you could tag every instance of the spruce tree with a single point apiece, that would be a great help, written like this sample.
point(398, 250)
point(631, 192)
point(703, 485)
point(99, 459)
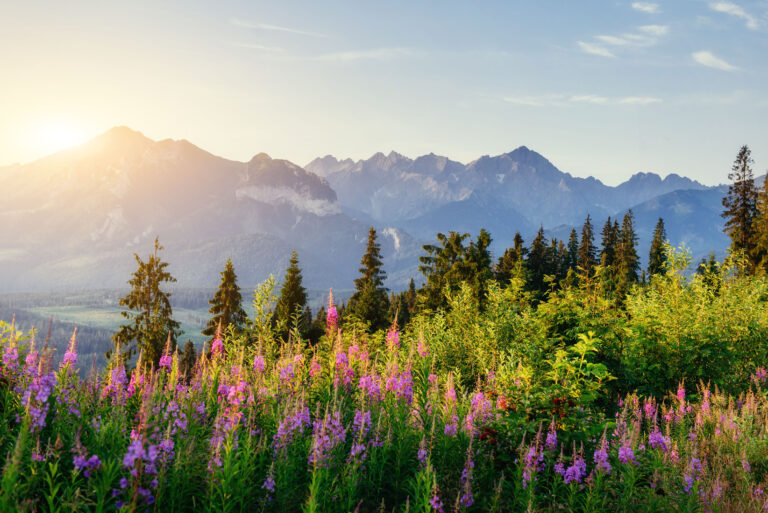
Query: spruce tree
point(149, 314)
point(609, 241)
point(538, 264)
point(411, 298)
point(442, 266)
point(627, 261)
point(573, 250)
point(657, 257)
point(586, 254)
point(226, 305)
point(293, 297)
point(509, 261)
point(760, 236)
point(188, 359)
point(478, 270)
point(370, 302)
point(741, 204)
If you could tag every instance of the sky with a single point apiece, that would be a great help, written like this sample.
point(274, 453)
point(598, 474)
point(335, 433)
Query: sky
point(602, 88)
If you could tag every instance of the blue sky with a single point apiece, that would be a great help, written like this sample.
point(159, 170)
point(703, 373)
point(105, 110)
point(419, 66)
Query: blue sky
point(605, 88)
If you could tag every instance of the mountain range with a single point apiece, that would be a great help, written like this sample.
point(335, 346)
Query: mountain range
point(72, 220)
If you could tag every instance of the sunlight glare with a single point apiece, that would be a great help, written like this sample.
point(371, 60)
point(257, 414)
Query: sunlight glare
point(54, 136)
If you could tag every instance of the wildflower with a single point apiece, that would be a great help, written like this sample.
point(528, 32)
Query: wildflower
point(601, 457)
point(332, 317)
point(70, 356)
point(422, 348)
point(657, 440)
point(314, 367)
point(135, 452)
point(550, 443)
point(576, 472)
point(681, 393)
point(452, 427)
point(327, 435)
point(393, 338)
point(217, 348)
point(745, 465)
point(258, 363)
point(627, 455)
point(436, 503)
point(269, 484)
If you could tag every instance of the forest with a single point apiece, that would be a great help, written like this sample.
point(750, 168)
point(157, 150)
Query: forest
point(559, 376)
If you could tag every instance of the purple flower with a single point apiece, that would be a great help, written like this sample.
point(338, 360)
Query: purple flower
point(422, 456)
point(745, 465)
point(436, 503)
point(135, 452)
point(626, 455)
point(332, 318)
point(70, 356)
point(258, 363)
point(217, 348)
point(601, 458)
point(393, 338)
point(269, 484)
point(327, 435)
point(165, 361)
point(576, 472)
point(123, 483)
point(550, 443)
point(657, 440)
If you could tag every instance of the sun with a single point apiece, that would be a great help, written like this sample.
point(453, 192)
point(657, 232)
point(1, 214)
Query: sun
point(52, 136)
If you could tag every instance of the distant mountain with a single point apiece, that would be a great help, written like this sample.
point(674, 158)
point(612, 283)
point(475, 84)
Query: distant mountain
point(519, 190)
point(73, 219)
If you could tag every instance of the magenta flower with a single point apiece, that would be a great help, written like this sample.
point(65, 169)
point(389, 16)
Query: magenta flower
point(258, 363)
point(217, 348)
point(626, 455)
point(393, 339)
point(70, 356)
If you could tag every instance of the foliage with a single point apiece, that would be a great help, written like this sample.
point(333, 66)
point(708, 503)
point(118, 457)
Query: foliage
point(149, 314)
point(226, 305)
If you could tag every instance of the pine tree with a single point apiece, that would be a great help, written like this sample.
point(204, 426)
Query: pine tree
point(411, 298)
point(537, 263)
point(510, 260)
point(293, 298)
point(188, 359)
point(478, 271)
point(741, 204)
point(586, 254)
point(573, 250)
point(760, 243)
point(370, 302)
point(442, 266)
point(610, 235)
point(226, 305)
point(149, 315)
point(657, 257)
point(627, 261)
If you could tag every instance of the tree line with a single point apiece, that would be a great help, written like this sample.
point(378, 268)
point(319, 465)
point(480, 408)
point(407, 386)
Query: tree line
point(543, 266)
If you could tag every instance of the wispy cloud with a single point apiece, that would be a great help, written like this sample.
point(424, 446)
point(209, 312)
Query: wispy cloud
point(264, 26)
point(646, 35)
point(560, 100)
point(736, 10)
point(706, 58)
point(646, 7)
point(654, 30)
point(263, 48)
point(595, 49)
point(381, 54)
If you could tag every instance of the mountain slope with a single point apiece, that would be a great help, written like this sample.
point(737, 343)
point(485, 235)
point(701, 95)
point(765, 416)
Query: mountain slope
point(74, 219)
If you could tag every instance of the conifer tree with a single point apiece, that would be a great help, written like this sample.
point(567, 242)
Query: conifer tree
point(657, 257)
point(149, 314)
point(610, 235)
point(573, 250)
point(478, 271)
point(537, 263)
point(741, 204)
point(760, 244)
point(510, 260)
point(442, 266)
point(293, 297)
point(627, 261)
point(370, 301)
point(587, 260)
point(226, 305)
point(411, 298)
point(188, 359)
